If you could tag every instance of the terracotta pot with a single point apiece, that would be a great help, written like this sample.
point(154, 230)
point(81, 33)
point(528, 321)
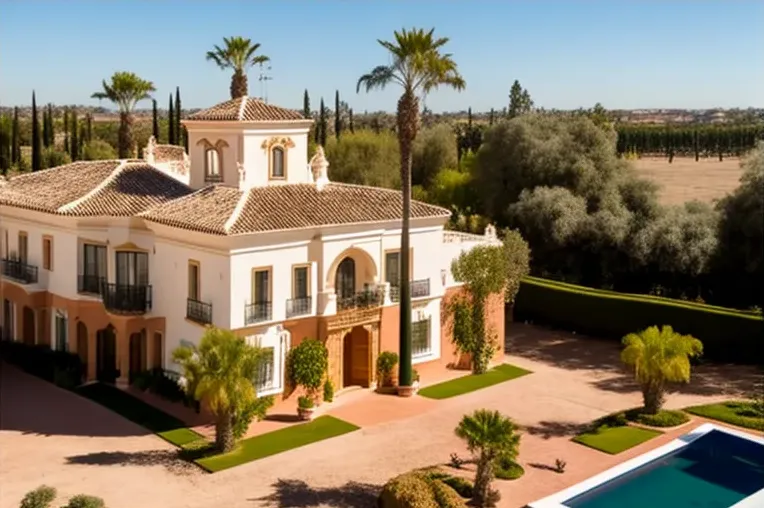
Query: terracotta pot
point(305, 413)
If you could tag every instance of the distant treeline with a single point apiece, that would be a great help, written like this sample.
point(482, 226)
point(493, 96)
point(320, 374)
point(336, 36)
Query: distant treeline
point(697, 141)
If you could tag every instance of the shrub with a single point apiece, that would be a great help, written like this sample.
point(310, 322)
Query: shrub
point(664, 418)
point(445, 496)
point(386, 362)
point(419, 489)
point(85, 501)
point(305, 402)
point(307, 364)
point(41, 497)
point(60, 367)
point(610, 314)
point(506, 469)
point(462, 486)
point(612, 420)
point(244, 415)
point(328, 391)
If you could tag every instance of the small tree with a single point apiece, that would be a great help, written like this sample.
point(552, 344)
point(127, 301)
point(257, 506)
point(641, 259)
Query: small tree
point(659, 356)
point(386, 362)
point(41, 497)
point(489, 435)
point(222, 371)
point(307, 365)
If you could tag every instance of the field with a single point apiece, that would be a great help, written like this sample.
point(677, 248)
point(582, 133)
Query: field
point(685, 180)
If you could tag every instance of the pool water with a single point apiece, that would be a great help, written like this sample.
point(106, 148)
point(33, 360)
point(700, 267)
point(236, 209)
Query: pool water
point(716, 470)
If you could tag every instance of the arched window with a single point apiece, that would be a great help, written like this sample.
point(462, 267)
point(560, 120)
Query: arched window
point(344, 281)
point(277, 162)
point(212, 166)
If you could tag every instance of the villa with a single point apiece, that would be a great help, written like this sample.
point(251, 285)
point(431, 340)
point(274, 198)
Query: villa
point(122, 261)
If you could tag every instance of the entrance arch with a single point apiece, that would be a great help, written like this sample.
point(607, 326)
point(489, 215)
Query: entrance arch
point(106, 355)
point(356, 358)
point(82, 345)
point(344, 280)
point(28, 326)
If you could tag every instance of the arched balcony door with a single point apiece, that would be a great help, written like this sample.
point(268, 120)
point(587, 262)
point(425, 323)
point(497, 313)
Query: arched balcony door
point(344, 281)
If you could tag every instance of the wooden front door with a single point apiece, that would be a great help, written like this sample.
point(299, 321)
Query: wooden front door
point(356, 358)
point(136, 356)
point(29, 326)
point(82, 345)
point(106, 353)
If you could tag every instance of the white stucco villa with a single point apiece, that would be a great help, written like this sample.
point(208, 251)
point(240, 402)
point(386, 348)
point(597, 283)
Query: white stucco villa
point(121, 261)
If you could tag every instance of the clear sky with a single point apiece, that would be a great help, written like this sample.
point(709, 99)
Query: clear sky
point(568, 53)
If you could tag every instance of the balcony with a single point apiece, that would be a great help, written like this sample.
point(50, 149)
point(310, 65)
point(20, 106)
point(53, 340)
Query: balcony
point(199, 312)
point(299, 306)
point(126, 298)
point(90, 284)
point(372, 297)
point(258, 312)
point(419, 289)
point(213, 178)
point(19, 271)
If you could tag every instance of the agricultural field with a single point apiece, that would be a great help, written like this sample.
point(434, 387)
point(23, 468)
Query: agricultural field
point(684, 179)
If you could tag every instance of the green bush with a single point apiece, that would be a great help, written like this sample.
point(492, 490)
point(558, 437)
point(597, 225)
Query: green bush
point(420, 489)
point(445, 496)
point(508, 470)
point(305, 402)
point(60, 367)
point(462, 486)
point(386, 362)
point(307, 365)
point(613, 315)
point(328, 391)
point(612, 420)
point(664, 418)
point(41, 497)
point(85, 501)
point(740, 413)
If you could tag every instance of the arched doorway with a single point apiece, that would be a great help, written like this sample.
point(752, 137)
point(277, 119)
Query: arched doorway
point(344, 280)
point(137, 354)
point(82, 345)
point(106, 355)
point(356, 358)
point(28, 322)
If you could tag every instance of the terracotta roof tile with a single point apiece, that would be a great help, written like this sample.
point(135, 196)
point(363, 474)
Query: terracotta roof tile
point(93, 188)
point(167, 153)
point(284, 207)
point(246, 109)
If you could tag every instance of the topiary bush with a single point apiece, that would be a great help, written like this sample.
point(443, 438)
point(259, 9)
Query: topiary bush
point(420, 489)
point(386, 362)
point(328, 391)
point(508, 470)
point(307, 364)
point(664, 417)
point(462, 486)
point(445, 496)
point(41, 497)
point(85, 501)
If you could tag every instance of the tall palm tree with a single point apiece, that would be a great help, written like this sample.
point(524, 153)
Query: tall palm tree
point(659, 356)
point(222, 371)
point(418, 66)
point(489, 435)
point(125, 90)
point(238, 54)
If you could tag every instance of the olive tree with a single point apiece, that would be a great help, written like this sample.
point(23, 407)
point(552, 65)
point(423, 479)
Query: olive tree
point(365, 158)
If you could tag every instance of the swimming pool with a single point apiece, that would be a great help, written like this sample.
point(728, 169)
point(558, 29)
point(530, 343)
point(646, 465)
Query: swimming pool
point(710, 467)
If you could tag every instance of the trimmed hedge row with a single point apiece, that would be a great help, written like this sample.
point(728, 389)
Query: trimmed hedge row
point(728, 335)
point(60, 367)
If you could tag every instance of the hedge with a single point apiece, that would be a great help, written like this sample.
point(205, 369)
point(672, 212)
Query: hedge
point(728, 335)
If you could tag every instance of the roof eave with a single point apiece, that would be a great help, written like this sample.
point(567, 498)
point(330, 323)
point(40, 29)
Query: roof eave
point(303, 122)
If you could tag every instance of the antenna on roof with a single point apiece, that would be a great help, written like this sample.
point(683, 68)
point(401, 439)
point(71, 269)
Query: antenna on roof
point(263, 79)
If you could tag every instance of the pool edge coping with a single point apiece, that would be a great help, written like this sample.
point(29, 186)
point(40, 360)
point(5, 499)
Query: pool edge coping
point(558, 499)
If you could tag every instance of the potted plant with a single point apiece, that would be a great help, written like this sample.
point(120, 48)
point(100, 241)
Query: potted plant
point(415, 378)
point(386, 362)
point(307, 364)
point(305, 407)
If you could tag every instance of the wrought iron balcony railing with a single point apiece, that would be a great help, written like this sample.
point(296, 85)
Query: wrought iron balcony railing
point(126, 298)
point(19, 271)
point(419, 289)
point(257, 312)
point(370, 297)
point(199, 312)
point(90, 284)
point(299, 306)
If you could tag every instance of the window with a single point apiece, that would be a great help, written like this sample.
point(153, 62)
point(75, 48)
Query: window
point(420, 338)
point(344, 280)
point(277, 162)
point(47, 253)
point(265, 371)
point(261, 292)
point(193, 280)
point(393, 268)
point(93, 268)
point(212, 165)
point(132, 269)
point(61, 330)
point(300, 282)
point(23, 247)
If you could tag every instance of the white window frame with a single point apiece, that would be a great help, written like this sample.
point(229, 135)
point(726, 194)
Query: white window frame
point(59, 313)
point(279, 339)
point(431, 312)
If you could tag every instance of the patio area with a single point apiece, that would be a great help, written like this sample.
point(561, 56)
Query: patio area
point(57, 438)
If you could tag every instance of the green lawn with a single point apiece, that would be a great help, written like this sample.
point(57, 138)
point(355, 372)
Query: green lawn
point(739, 413)
point(466, 384)
point(264, 445)
point(614, 440)
point(165, 426)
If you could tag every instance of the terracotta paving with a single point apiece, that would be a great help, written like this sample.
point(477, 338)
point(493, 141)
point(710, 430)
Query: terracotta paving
point(54, 437)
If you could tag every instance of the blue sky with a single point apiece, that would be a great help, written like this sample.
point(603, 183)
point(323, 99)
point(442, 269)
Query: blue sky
point(624, 54)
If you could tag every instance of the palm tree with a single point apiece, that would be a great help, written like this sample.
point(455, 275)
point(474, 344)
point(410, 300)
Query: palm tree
point(489, 435)
point(222, 371)
point(125, 90)
point(418, 67)
point(238, 54)
point(659, 356)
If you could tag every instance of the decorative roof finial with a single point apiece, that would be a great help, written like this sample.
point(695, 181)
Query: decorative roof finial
point(148, 153)
point(319, 166)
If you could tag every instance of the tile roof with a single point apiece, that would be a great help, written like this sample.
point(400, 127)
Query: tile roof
point(246, 109)
point(167, 153)
point(226, 210)
point(110, 188)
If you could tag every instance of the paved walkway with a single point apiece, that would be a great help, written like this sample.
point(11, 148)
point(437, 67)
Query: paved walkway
point(48, 436)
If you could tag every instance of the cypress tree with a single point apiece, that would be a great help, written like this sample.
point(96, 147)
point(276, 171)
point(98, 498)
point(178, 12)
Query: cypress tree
point(15, 144)
point(306, 104)
point(89, 128)
point(178, 131)
point(74, 147)
point(491, 117)
point(322, 124)
point(155, 119)
point(5, 144)
point(350, 120)
point(337, 115)
point(66, 130)
point(45, 127)
point(51, 126)
point(171, 124)
point(185, 138)
point(36, 148)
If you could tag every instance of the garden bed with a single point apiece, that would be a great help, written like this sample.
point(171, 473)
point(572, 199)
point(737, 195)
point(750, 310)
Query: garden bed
point(472, 382)
point(738, 413)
